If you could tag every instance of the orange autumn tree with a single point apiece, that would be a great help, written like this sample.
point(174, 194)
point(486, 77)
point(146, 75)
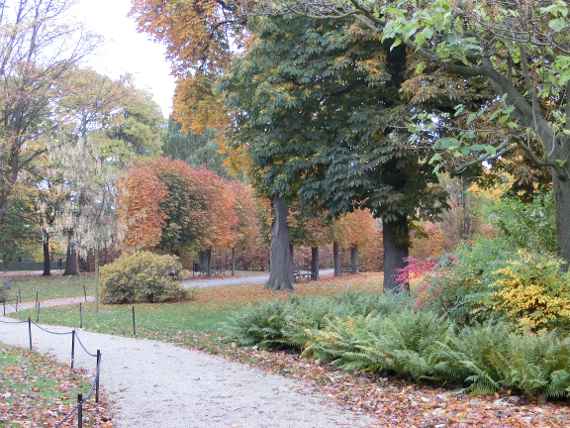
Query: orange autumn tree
point(358, 232)
point(167, 206)
point(140, 195)
point(198, 35)
point(248, 245)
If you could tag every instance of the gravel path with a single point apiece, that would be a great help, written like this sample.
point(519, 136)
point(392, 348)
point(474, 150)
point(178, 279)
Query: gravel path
point(154, 384)
point(249, 280)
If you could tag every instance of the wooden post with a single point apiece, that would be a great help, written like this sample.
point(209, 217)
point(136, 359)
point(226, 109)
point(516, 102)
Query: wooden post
point(80, 410)
point(30, 331)
point(72, 348)
point(97, 372)
point(134, 321)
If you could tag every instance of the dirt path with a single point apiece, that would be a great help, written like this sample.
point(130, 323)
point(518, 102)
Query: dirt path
point(244, 280)
point(155, 384)
point(51, 303)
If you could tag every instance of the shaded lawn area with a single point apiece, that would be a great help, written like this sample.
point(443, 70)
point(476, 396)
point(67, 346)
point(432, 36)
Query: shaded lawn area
point(36, 391)
point(187, 323)
point(52, 287)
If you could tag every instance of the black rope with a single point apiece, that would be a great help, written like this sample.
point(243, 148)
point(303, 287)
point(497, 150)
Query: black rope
point(92, 390)
point(83, 346)
point(62, 333)
point(69, 415)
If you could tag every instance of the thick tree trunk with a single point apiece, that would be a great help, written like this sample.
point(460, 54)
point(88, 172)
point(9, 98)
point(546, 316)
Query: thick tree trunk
point(71, 259)
point(281, 276)
point(315, 263)
point(47, 261)
point(336, 259)
point(562, 200)
point(354, 259)
point(396, 251)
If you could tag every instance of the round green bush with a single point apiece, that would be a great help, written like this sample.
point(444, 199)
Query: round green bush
point(142, 277)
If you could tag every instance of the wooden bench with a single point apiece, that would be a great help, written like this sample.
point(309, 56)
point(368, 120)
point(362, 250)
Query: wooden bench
point(301, 274)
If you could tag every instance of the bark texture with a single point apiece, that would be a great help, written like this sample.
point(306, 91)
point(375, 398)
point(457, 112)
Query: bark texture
point(315, 262)
point(71, 259)
point(47, 261)
point(354, 264)
point(206, 261)
point(281, 275)
point(396, 251)
point(336, 259)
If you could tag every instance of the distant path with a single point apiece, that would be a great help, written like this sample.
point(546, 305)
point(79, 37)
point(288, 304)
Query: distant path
point(51, 303)
point(18, 273)
point(244, 280)
point(153, 384)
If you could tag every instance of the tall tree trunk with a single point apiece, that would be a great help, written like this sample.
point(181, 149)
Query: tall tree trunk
point(466, 214)
point(562, 201)
point(315, 263)
point(354, 259)
point(396, 251)
point(71, 259)
point(233, 261)
point(281, 276)
point(206, 261)
point(336, 259)
point(97, 279)
point(47, 261)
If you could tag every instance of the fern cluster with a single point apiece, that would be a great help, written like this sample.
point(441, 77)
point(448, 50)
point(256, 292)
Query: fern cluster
point(385, 335)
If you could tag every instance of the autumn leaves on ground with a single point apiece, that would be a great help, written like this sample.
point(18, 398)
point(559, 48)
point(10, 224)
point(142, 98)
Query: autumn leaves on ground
point(35, 391)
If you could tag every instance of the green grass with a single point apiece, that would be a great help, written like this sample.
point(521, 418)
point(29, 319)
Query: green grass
point(54, 287)
point(33, 386)
point(195, 323)
point(165, 321)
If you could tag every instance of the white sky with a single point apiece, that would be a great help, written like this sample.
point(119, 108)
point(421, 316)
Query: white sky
point(125, 50)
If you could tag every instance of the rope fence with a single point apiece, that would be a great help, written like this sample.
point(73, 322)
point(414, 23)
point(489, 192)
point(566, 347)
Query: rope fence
point(77, 410)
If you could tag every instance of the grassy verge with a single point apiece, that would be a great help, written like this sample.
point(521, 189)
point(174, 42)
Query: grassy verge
point(54, 287)
point(187, 322)
point(36, 391)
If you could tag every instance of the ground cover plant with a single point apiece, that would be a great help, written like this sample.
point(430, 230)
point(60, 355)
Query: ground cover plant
point(380, 334)
point(36, 391)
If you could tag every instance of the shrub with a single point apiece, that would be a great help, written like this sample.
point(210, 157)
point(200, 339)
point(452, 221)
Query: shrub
point(461, 289)
point(397, 343)
point(286, 325)
point(418, 345)
point(142, 277)
point(533, 291)
point(527, 225)
point(491, 357)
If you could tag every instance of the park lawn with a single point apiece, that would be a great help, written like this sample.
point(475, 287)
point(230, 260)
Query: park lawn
point(52, 287)
point(36, 391)
point(197, 322)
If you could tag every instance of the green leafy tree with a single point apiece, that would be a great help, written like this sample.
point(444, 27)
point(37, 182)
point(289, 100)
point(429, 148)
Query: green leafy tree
point(327, 122)
point(195, 150)
point(520, 48)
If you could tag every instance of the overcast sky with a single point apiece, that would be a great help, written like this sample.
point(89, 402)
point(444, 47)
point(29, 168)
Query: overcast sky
point(126, 51)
